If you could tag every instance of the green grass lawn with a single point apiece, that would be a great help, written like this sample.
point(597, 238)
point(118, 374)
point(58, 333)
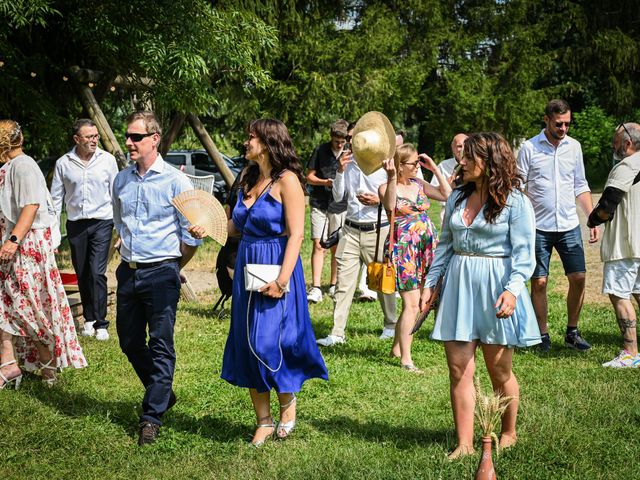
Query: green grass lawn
point(371, 420)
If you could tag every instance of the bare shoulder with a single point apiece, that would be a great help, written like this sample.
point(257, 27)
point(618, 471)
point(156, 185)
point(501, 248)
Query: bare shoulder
point(289, 180)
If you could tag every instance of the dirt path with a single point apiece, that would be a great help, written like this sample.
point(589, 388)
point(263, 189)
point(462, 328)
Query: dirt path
point(593, 293)
point(199, 280)
point(202, 280)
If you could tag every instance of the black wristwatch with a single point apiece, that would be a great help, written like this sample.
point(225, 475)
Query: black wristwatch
point(14, 239)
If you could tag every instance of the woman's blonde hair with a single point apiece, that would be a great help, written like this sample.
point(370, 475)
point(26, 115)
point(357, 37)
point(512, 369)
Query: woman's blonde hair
point(10, 136)
point(403, 153)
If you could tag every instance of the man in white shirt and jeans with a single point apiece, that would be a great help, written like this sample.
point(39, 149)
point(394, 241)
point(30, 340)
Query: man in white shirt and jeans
point(83, 179)
point(552, 166)
point(358, 241)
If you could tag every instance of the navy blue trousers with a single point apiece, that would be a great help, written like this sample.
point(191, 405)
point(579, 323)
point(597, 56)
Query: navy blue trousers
point(147, 300)
point(90, 241)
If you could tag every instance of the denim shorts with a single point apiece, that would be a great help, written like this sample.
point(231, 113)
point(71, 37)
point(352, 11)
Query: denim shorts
point(567, 244)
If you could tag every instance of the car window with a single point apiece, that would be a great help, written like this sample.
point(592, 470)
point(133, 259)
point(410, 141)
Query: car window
point(176, 159)
point(201, 160)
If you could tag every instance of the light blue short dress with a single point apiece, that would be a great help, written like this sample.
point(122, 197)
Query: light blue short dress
point(480, 261)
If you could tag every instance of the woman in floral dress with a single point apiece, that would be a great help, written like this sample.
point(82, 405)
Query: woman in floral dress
point(36, 327)
point(415, 237)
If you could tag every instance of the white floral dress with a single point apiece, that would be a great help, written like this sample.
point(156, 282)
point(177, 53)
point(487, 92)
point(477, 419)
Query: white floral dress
point(33, 303)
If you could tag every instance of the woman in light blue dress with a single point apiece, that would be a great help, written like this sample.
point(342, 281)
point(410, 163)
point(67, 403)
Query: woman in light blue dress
point(486, 254)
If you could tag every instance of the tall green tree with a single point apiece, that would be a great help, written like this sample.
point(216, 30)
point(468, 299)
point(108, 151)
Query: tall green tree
point(177, 55)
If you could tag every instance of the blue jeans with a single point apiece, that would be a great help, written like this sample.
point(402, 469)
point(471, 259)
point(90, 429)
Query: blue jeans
point(148, 298)
point(568, 245)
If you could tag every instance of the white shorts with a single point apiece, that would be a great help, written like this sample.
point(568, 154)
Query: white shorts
point(318, 220)
point(621, 277)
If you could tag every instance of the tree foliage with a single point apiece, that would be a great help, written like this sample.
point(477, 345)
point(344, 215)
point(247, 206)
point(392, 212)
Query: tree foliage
point(435, 67)
point(188, 51)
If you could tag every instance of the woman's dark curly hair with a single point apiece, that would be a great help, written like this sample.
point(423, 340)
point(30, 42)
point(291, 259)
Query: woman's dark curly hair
point(275, 136)
point(500, 172)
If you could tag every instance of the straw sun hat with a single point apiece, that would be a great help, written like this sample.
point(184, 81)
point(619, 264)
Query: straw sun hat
point(373, 140)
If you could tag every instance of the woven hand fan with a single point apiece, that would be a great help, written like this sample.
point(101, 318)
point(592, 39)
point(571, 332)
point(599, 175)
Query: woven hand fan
point(202, 208)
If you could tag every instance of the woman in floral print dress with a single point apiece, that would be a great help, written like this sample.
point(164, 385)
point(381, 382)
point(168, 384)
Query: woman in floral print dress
point(415, 237)
point(36, 326)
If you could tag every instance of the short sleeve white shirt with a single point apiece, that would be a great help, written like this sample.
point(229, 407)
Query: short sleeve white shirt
point(621, 237)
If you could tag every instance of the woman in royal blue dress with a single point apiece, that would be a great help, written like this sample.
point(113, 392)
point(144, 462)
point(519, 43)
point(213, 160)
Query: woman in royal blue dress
point(271, 344)
point(487, 249)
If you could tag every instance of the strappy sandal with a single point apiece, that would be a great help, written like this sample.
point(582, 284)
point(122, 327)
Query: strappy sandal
point(15, 381)
point(259, 443)
point(49, 379)
point(411, 368)
point(283, 430)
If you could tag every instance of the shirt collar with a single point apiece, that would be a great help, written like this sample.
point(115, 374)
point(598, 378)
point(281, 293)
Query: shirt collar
point(542, 138)
point(74, 154)
point(158, 166)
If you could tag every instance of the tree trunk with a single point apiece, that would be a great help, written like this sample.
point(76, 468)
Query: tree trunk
point(172, 133)
point(106, 134)
point(211, 149)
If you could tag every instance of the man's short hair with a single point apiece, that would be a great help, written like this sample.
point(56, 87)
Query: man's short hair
point(149, 118)
point(81, 122)
point(339, 128)
point(556, 107)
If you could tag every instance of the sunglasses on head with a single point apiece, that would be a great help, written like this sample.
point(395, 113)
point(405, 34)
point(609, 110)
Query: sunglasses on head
point(137, 137)
point(560, 124)
point(625, 129)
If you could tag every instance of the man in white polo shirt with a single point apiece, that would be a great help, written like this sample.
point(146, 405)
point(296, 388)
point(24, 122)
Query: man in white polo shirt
point(552, 166)
point(83, 179)
point(619, 206)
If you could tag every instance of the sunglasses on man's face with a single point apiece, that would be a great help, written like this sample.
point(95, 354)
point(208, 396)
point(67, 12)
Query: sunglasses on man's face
point(137, 137)
point(560, 124)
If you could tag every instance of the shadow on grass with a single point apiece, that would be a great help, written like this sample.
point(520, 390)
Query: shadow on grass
point(205, 310)
point(79, 405)
point(403, 436)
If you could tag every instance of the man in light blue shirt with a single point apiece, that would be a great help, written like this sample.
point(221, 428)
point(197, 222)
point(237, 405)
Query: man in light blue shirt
point(83, 179)
point(155, 246)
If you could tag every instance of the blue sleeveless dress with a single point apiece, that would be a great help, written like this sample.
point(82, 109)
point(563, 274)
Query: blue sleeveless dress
point(282, 353)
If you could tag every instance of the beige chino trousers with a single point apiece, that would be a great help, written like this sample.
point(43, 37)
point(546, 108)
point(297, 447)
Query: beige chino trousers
point(353, 246)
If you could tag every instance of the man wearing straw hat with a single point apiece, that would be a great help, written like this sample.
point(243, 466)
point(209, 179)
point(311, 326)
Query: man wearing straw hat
point(373, 141)
point(83, 178)
point(155, 246)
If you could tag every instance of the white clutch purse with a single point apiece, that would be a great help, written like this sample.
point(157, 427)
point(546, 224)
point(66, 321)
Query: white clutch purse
point(257, 275)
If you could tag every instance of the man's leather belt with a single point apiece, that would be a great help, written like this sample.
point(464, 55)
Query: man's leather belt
point(139, 265)
point(365, 227)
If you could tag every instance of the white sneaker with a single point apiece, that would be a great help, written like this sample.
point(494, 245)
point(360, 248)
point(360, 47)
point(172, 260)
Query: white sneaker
point(314, 295)
point(624, 360)
point(367, 295)
point(388, 333)
point(102, 334)
point(332, 292)
point(88, 330)
point(330, 340)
